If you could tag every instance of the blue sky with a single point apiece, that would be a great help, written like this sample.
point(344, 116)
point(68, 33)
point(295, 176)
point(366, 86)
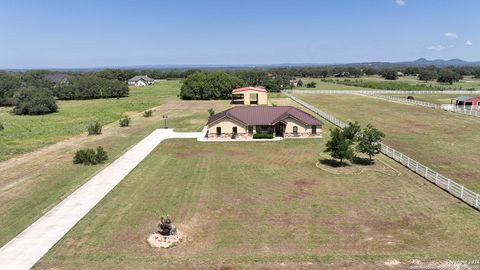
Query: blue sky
point(88, 33)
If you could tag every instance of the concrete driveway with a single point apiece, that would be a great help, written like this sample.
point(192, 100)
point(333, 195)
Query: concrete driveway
point(29, 246)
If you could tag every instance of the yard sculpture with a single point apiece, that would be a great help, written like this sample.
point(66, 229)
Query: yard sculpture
point(165, 227)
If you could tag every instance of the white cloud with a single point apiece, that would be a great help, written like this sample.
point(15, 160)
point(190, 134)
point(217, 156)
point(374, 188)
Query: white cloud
point(450, 35)
point(468, 43)
point(401, 2)
point(436, 47)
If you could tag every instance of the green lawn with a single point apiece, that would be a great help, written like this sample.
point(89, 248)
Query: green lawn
point(325, 85)
point(26, 133)
point(32, 184)
point(266, 204)
point(445, 141)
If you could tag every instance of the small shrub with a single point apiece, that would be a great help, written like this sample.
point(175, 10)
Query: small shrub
point(1, 127)
point(90, 157)
point(263, 136)
point(147, 113)
point(124, 122)
point(311, 84)
point(94, 128)
point(211, 112)
point(34, 101)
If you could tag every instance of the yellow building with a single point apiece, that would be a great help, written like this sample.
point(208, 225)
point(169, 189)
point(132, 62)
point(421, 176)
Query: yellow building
point(250, 95)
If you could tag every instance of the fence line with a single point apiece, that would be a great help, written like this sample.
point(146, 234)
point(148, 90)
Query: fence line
point(469, 197)
point(461, 92)
point(460, 109)
point(403, 100)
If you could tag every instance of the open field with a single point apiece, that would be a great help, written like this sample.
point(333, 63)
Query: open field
point(325, 85)
point(466, 84)
point(26, 133)
point(433, 98)
point(444, 141)
point(263, 204)
point(48, 175)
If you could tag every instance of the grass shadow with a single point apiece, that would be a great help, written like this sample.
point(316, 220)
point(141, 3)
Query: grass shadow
point(333, 163)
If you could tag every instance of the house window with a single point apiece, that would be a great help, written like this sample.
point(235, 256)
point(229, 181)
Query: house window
point(314, 130)
point(219, 131)
point(250, 129)
point(295, 130)
point(234, 130)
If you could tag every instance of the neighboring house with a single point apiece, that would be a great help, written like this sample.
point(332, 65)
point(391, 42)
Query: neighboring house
point(342, 74)
point(250, 95)
point(466, 102)
point(141, 81)
point(244, 121)
point(400, 74)
point(57, 79)
point(294, 83)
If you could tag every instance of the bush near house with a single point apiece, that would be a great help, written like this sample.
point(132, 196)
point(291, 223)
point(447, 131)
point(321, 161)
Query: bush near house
point(263, 136)
point(34, 101)
point(94, 128)
point(147, 113)
point(124, 122)
point(90, 157)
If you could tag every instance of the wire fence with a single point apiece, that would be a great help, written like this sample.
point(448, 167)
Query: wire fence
point(392, 92)
point(403, 100)
point(460, 109)
point(469, 197)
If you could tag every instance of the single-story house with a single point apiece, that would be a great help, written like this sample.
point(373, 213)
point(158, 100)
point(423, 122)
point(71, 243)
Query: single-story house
point(466, 102)
point(294, 83)
point(141, 81)
point(281, 121)
point(57, 79)
point(250, 95)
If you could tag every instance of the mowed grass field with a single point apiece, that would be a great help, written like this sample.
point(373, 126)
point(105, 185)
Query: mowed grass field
point(325, 85)
point(468, 82)
point(26, 133)
point(445, 141)
point(34, 183)
point(434, 98)
point(266, 205)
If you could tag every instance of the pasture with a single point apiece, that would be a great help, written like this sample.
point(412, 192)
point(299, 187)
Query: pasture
point(48, 174)
point(444, 141)
point(435, 98)
point(264, 204)
point(26, 133)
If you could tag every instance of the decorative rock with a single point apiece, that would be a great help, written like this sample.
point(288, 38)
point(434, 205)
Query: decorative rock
point(164, 241)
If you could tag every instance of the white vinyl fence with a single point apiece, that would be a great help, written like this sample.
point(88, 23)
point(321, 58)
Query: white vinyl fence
point(460, 109)
point(447, 184)
point(403, 100)
point(392, 92)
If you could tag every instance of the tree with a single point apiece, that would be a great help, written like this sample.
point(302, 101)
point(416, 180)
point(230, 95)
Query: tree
point(91, 87)
point(390, 75)
point(300, 83)
point(449, 76)
point(339, 146)
point(209, 85)
point(32, 101)
point(311, 84)
point(352, 131)
point(8, 85)
point(369, 141)
point(427, 75)
point(272, 86)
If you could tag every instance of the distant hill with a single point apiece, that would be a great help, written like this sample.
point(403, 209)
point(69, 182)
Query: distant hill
point(421, 62)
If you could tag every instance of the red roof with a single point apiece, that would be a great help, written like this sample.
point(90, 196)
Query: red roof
point(264, 115)
point(248, 88)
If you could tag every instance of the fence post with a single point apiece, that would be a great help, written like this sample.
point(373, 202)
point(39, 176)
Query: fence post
point(461, 192)
point(448, 184)
point(416, 166)
point(476, 201)
point(426, 172)
point(436, 178)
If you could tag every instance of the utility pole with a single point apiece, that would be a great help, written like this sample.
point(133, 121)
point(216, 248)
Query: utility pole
point(165, 119)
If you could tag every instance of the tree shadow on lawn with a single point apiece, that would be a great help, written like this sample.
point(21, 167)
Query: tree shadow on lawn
point(333, 163)
point(362, 161)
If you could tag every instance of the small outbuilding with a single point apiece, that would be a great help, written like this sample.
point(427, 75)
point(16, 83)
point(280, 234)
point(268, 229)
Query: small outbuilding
point(250, 95)
point(466, 102)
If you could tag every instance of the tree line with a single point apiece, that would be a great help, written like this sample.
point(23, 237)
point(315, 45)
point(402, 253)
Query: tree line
point(33, 93)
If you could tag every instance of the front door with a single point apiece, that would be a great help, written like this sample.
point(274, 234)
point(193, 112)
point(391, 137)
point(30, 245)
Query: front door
point(279, 129)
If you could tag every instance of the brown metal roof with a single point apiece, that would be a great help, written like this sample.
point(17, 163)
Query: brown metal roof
point(264, 115)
